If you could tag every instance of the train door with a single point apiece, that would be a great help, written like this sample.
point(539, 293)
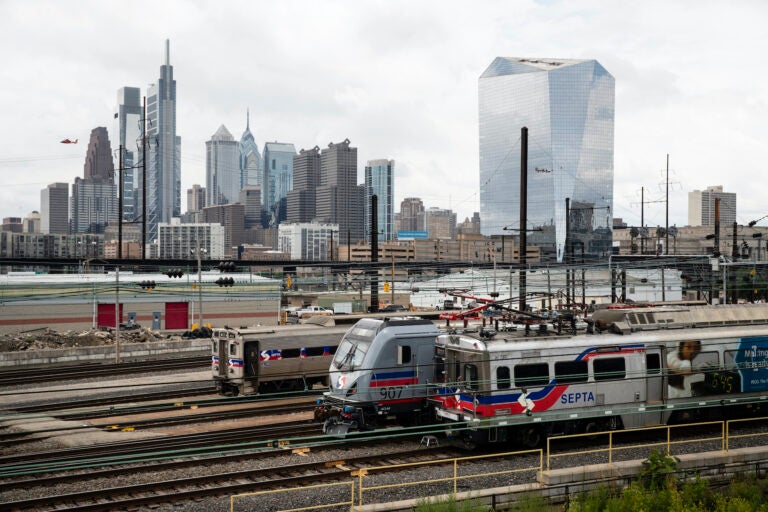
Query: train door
point(654, 392)
point(251, 356)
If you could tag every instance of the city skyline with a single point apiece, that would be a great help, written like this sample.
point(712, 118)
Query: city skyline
point(681, 88)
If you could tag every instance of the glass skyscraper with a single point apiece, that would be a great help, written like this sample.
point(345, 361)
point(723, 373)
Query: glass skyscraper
point(278, 179)
point(380, 180)
point(568, 108)
point(164, 159)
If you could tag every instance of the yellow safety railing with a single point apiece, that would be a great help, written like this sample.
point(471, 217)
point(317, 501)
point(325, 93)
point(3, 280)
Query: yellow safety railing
point(729, 436)
point(362, 473)
point(350, 503)
point(610, 449)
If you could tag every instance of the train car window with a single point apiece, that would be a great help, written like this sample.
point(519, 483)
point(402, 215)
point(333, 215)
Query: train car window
point(215, 345)
point(232, 349)
point(403, 354)
point(571, 371)
point(319, 351)
point(470, 376)
point(531, 375)
point(288, 353)
point(609, 368)
point(653, 364)
point(503, 380)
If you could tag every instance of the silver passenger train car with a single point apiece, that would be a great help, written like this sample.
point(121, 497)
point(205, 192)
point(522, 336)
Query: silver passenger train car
point(638, 367)
point(381, 371)
point(272, 359)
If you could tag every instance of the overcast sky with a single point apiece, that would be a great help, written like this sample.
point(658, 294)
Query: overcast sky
point(398, 79)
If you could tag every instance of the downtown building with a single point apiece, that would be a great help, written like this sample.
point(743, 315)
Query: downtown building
point(380, 181)
point(54, 209)
point(163, 151)
point(568, 109)
point(250, 159)
point(180, 241)
point(128, 114)
point(277, 181)
point(222, 168)
point(701, 207)
point(306, 179)
point(309, 241)
point(94, 201)
point(339, 199)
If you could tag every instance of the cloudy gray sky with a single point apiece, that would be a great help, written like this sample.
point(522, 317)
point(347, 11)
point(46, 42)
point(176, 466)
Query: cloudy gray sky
point(397, 78)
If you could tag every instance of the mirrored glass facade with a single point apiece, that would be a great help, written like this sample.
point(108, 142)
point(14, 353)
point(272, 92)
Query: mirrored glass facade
point(568, 108)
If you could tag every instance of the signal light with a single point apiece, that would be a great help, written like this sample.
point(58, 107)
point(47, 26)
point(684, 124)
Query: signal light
point(227, 266)
point(225, 281)
point(147, 285)
point(174, 272)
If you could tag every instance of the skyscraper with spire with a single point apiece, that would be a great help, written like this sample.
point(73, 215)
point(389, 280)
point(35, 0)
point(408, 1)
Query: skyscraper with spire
point(164, 150)
point(250, 159)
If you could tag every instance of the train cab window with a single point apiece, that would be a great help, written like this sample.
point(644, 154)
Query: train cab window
point(531, 375)
point(403, 354)
point(609, 368)
point(471, 380)
point(653, 364)
point(570, 371)
point(503, 380)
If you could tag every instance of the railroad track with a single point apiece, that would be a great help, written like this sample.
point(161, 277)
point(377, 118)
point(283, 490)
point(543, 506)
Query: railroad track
point(53, 373)
point(217, 484)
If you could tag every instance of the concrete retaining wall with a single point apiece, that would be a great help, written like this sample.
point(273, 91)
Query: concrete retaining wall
point(106, 353)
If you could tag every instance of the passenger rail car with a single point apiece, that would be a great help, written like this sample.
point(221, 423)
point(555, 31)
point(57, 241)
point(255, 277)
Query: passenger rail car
point(381, 371)
point(644, 367)
point(270, 360)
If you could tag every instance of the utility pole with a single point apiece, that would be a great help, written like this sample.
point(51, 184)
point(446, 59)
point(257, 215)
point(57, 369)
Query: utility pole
point(144, 184)
point(666, 226)
point(120, 206)
point(374, 253)
point(523, 215)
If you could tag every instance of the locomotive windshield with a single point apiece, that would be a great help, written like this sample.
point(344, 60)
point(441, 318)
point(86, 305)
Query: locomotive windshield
point(354, 345)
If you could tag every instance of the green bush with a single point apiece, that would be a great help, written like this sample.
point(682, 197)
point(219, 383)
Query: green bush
point(658, 471)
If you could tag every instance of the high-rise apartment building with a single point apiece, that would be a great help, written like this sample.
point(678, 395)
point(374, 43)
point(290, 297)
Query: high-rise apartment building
point(306, 179)
point(338, 198)
point(568, 109)
point(128, 114)
point(232, 217)
point(278, 179)
point(308, 240)
point(177, 240)
point(441, 223)
point(54, 209)
point(13, 225)
point(94, 201)
point(250, 159)
point(222, 168)
point(412, 215)
point(164, 150)
point(701, 207)
point(380, 181)
point(195, 198)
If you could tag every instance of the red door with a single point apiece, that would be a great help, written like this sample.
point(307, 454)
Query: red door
point(176, 315)
point(106, 315)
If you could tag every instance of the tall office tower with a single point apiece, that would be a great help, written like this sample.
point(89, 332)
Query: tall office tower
point(128, 114)
point(338, 199)
point(164, 151)
point(94, 201)
point(568, 108)
point(222, 168)
point(701, 207)
point(250, 198)
point(412, 215)
point(232, 217)
point(278, 178)
point(440, 223)
point(380, 180)
point(250, 159)
point(195, 198)
point(306, 178)
point(99, 165)
point(54, 209)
